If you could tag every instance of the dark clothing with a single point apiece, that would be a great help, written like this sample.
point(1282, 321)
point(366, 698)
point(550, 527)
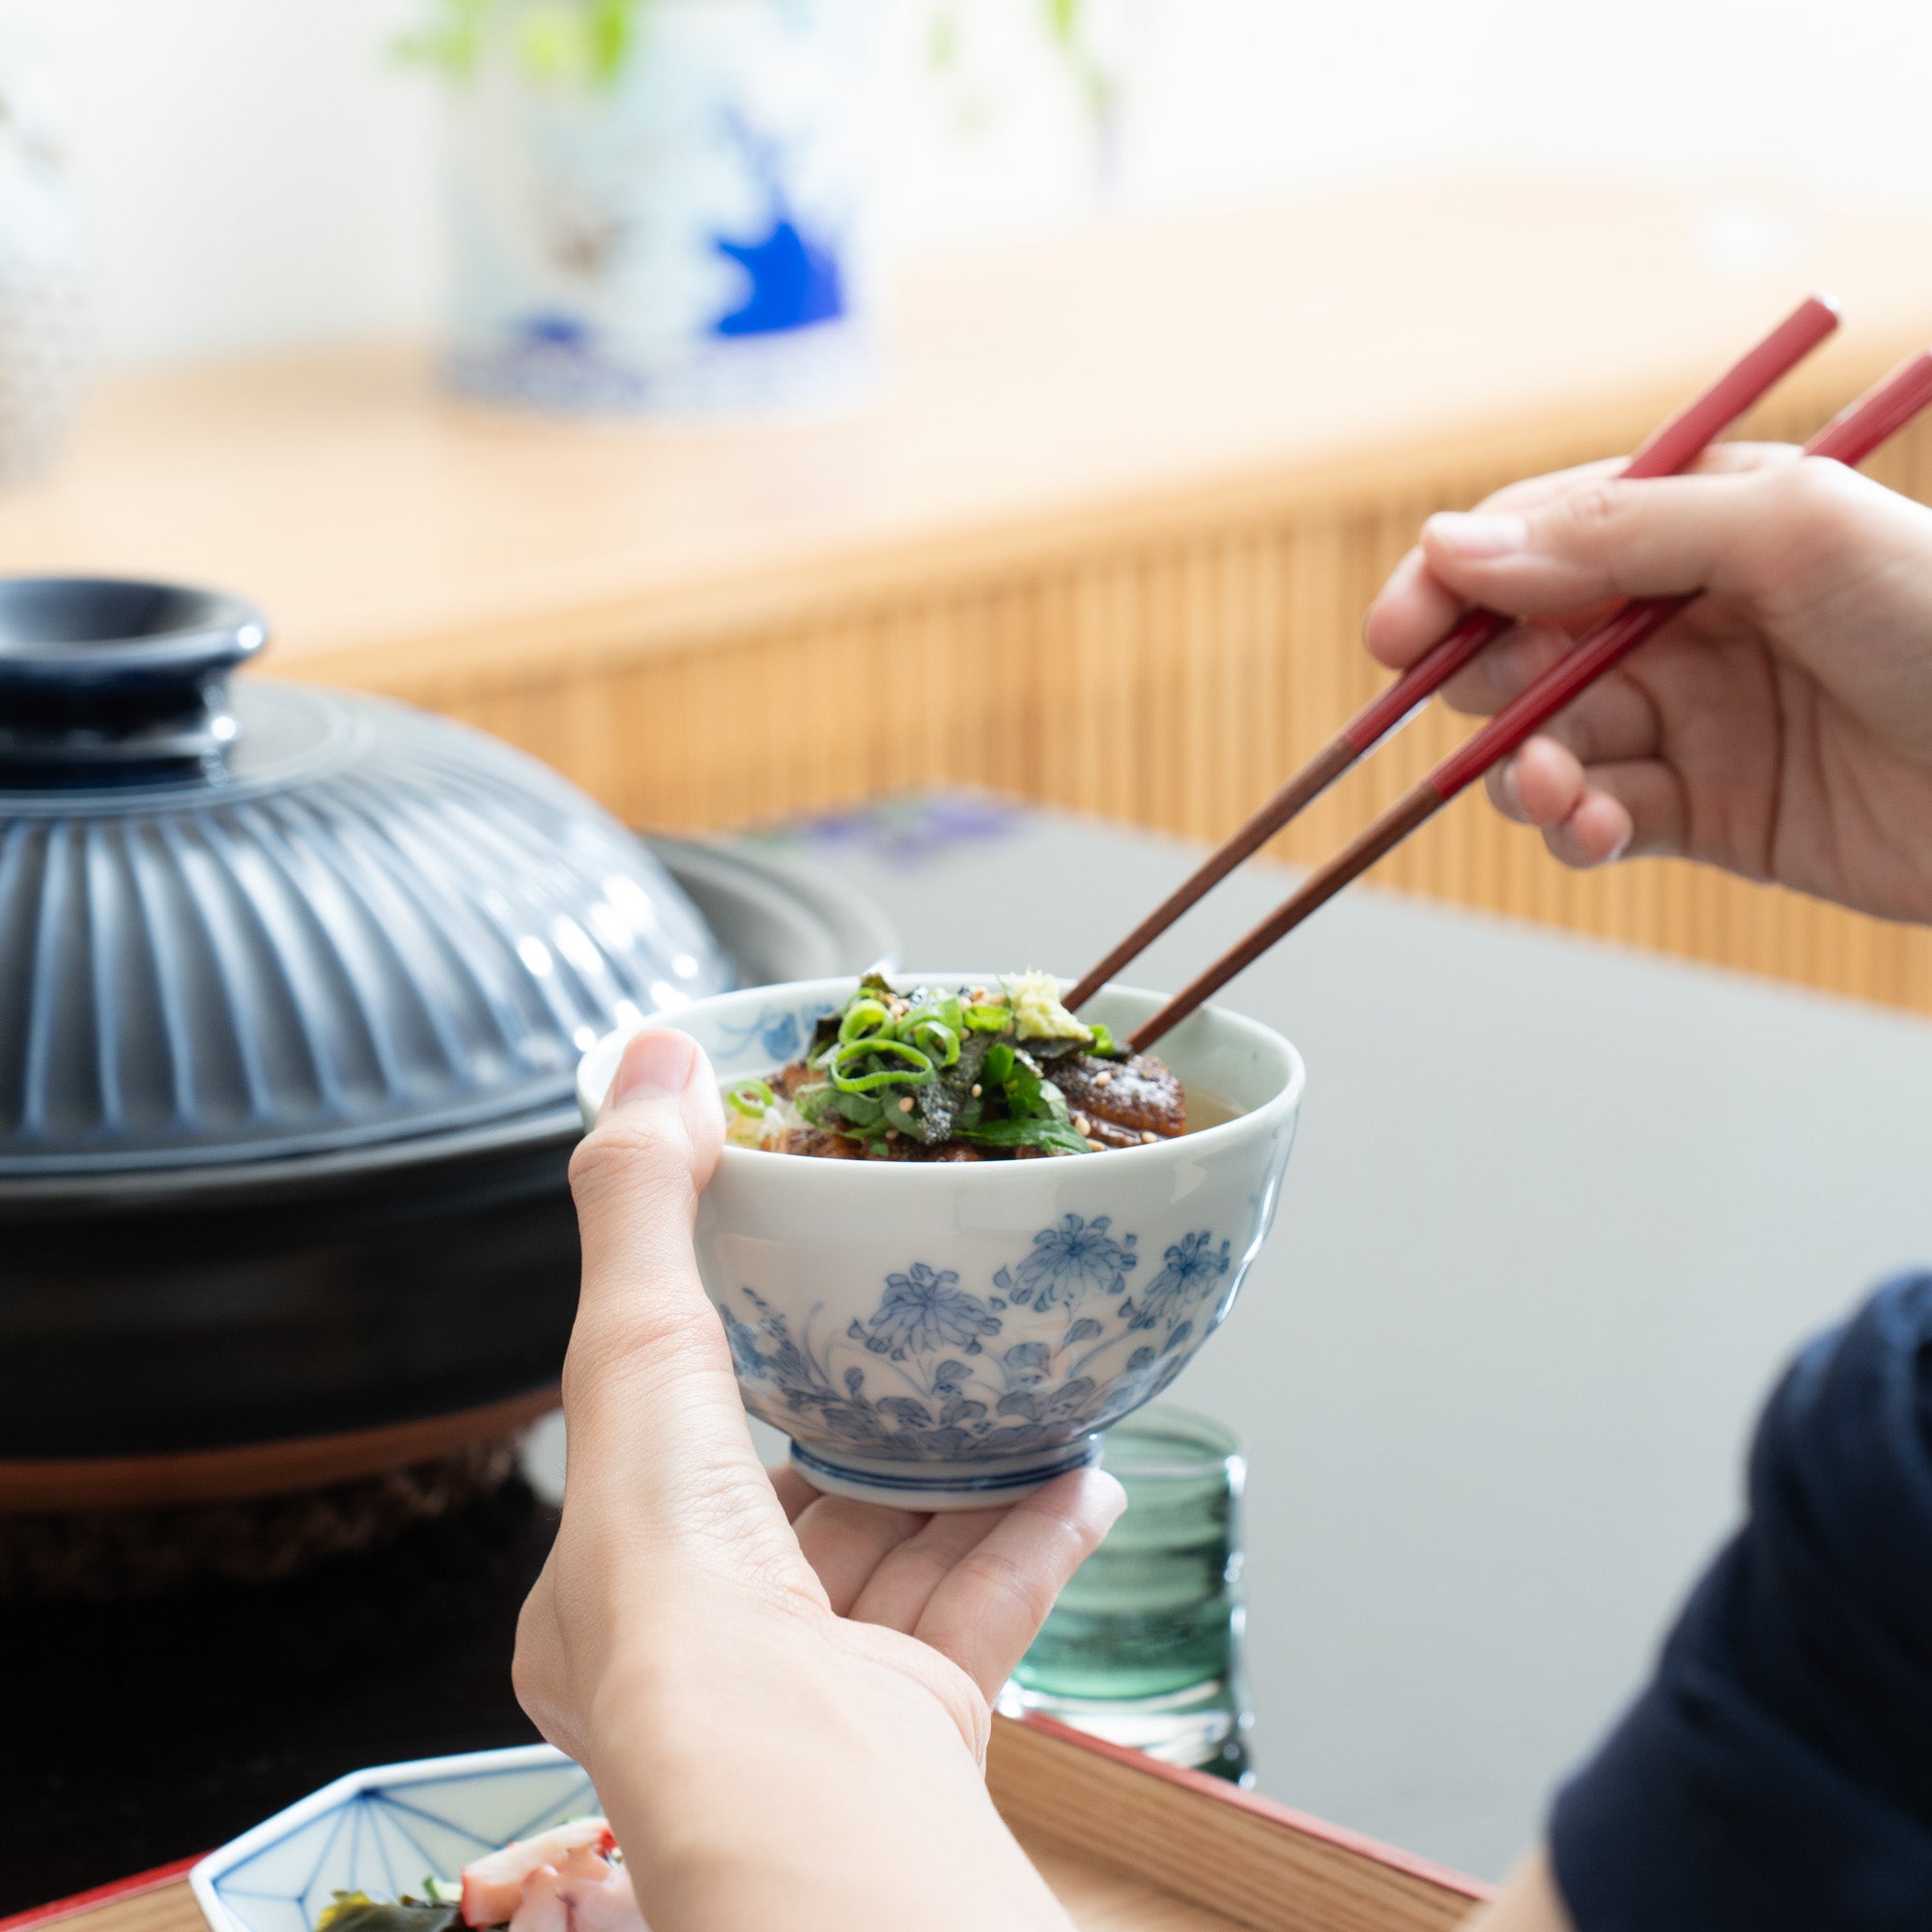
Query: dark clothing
point(1777, 1773)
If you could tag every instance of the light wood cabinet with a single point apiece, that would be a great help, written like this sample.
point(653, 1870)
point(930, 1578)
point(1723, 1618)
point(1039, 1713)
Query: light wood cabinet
point(1106, 541)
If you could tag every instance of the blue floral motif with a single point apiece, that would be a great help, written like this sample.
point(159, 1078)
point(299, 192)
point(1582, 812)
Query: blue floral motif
point(1193, 1266)
point(925, 1379)
point(921, 1310)
point(748, 1359)
point(1068, 1260)
point(781, 1034)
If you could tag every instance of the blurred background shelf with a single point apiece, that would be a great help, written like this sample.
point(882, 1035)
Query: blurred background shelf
point(1105, 543)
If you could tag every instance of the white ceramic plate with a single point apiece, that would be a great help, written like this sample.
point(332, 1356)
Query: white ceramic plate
point(384, 1830)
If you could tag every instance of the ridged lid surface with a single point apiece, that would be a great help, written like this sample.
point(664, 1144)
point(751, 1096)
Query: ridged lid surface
point(331, 921)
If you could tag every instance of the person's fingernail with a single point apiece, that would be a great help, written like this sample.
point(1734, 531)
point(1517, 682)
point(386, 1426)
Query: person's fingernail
point(1477, 533)
point(1509, 783)
point(655, 1062)
point(1112, 1499)
point(1622, 847)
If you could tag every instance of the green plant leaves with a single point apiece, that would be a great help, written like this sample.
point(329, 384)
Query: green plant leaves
point(554, 42)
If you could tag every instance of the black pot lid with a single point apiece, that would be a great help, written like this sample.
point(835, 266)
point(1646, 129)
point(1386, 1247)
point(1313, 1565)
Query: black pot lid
point(237, 924)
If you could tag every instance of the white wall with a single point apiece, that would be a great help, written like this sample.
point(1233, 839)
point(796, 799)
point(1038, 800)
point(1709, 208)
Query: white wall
point(253, 172)
point(258, 172)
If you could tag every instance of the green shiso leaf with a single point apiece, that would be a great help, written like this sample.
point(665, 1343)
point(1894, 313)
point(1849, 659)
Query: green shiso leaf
point(1042, 1132)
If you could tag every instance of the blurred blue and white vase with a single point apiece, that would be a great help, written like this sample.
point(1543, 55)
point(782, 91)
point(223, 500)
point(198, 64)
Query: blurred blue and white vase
point(687, 234)
point(44, 335)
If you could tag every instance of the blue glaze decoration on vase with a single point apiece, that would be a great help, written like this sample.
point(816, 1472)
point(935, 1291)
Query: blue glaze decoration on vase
point(690, 232)
point(794, 278)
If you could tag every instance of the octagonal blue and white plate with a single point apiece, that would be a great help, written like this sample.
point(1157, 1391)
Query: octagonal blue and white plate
point(384, 1830)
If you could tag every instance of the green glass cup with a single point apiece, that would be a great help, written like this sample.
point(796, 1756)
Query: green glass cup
point(1144, 1647)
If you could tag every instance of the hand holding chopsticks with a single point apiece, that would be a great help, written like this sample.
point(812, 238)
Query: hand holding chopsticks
point(1672, 447)
point(1848, 440)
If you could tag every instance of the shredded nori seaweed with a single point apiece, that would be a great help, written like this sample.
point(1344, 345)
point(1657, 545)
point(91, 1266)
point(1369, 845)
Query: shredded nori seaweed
point(358, 1912)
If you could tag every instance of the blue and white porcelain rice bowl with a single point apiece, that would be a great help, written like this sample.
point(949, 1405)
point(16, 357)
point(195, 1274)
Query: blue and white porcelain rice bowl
point(950, 1335)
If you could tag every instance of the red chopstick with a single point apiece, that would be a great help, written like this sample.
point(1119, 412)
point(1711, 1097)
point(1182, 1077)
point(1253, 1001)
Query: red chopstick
point(1848, 437)
point(1677, 443)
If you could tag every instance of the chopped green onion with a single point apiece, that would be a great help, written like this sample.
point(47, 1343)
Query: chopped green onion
point(989, 1019)
point(865, 1018)
point(935, 1037)
point(1103, 1041)
point(917, 1071)
point(751, 1097)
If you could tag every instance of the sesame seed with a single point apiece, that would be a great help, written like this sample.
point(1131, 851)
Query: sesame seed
point(1081, 1125)
point(905, 1105)
point(975, 1090)
point(1093, 1146)
point(1102, 1078)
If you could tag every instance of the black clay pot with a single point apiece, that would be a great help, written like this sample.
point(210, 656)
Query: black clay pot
point(293, 985)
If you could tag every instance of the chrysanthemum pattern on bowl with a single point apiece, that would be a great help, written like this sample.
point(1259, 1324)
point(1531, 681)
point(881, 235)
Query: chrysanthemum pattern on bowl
point(933, 1375)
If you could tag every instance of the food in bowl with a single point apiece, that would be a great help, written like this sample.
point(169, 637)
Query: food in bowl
point(570, 1878)
point(948, 1334)
point(995, 1071)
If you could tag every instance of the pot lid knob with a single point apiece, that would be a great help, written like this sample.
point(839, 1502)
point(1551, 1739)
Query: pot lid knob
point(104, 679)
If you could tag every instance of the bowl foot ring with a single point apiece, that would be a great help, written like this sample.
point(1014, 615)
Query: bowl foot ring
point(942, 1486)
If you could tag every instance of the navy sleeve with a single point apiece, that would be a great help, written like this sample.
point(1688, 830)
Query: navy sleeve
point(1777, 1773)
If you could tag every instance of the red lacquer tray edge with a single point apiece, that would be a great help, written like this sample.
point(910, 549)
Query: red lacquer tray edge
point(75, 1902)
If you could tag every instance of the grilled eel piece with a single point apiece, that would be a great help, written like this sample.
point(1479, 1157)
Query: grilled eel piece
point(1122, 1101)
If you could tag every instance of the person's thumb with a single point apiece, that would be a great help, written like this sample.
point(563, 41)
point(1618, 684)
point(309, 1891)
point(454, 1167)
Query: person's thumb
point(1611, 538)
point(639, 1172)
point(650, 1399)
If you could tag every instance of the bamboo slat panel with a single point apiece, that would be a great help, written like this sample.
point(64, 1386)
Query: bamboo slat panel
point(1169, 679)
